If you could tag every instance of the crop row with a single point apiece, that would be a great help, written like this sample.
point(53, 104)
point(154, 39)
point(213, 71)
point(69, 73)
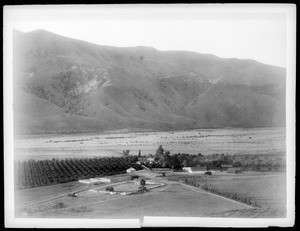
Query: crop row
point(33, 173)
point(230, 195)
point(213, 189)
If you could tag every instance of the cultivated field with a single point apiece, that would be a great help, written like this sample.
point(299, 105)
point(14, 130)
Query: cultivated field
point(205, 141)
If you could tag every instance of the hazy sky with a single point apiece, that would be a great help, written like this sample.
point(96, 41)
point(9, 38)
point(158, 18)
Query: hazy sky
point(240, 31)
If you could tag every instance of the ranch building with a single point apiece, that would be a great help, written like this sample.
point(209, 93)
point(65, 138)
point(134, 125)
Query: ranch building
point(196, 169)
point(130, 170)
point(100, 179)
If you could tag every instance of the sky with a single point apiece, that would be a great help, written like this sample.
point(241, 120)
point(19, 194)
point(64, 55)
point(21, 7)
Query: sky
point(245, 32)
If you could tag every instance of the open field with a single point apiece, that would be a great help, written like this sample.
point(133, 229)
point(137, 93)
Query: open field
point(46, 193)
point(267, 189)
point(267, 141)
point(172, 199)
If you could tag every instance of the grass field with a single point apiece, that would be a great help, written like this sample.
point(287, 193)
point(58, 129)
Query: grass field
point(170, 200)
point(48, 193)
point(29, 196)
point(267, 189)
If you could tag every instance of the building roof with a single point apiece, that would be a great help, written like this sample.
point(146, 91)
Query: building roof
point(160, 169)
point(131, 168)
point(143, 159)
point(235, 168)
point(198, 168)
point(226, 165)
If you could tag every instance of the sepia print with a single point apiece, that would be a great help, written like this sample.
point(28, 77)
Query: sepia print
point(150, 115)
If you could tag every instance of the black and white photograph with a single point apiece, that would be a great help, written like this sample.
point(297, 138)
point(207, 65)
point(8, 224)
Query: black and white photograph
point(149, 115)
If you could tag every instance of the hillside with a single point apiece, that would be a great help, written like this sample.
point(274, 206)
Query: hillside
point(67, 85)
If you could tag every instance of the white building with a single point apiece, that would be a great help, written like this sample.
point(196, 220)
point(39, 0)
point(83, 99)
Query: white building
point(85, 181)
point(100, 179)
point(94, 180)
point(201, 170)
point(130, 170)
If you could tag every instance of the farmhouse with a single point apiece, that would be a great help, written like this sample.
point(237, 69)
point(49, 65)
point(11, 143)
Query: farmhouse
point(186, 169)
point(202, 169)
point(130, 170)
point(142, 160)
point(151, 160)
point(197, 169)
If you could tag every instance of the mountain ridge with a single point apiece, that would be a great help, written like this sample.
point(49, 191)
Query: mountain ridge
point(141, 87)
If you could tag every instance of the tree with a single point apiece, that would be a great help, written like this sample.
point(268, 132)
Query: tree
point(163, 157)
point(237, 164)
point(160, 151)
point(139, 155)
point(175, 162)
point(126, 153)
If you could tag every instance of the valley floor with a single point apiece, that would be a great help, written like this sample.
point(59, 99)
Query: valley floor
point(266, 141)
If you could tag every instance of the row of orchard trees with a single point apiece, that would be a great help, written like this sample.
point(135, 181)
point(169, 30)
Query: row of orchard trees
point(32, 173)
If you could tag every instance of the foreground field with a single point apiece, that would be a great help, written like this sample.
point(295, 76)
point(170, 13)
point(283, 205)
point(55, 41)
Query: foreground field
point(205, 141)
point(173, 199)
point(268, 190)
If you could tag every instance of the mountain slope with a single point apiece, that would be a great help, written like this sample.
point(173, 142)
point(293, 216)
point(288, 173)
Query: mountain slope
point(91, 87)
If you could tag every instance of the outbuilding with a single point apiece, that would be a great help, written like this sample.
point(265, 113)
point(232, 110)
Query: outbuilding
point(197, 169)
point(86, 181)
point(100, 179)
point(130, 170)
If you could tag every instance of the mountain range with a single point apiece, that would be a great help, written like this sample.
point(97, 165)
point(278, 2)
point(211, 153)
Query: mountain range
point(67, 85)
